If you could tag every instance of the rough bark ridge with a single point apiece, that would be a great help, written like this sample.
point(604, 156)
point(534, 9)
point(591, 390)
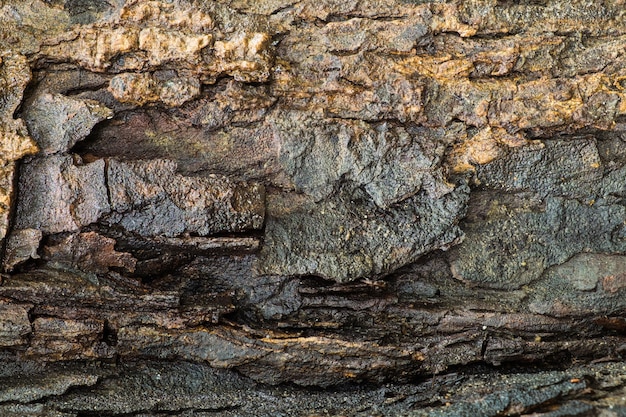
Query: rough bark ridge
point(201, 198)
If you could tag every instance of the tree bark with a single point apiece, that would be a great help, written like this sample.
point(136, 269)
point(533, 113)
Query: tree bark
point(344, 208)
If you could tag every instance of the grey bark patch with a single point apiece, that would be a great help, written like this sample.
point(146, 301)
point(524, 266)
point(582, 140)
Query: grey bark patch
point(389, 162)
point(540, 207)
point(57, 196)
point(29, 390)
point(151, 199)
point(348, 237)
point(163, 387)
point(21, 246)
point(374, 198)
point(587, 284)
point(86, 11)
point(57, 122)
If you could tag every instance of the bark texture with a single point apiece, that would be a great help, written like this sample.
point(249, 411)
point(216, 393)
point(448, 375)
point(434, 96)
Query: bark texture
point(375, 207)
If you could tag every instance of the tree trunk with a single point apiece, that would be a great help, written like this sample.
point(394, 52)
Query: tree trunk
point(286, 207)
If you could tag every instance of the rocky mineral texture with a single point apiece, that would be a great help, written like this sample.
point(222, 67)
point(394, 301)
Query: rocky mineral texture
point(297, 207)
point(150, 199)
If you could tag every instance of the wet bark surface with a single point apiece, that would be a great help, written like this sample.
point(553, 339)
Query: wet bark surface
point(289, 207)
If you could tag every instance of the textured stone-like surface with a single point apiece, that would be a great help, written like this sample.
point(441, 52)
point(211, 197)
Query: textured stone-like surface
point(390, 163)
point(583, 284)
point(541, 206)
point(32, 389)
point(445, 196)
point(349, 237)
point(58, 196)
point(21, 246)
point(150, 199)
point(377, 198)
point(57, 122)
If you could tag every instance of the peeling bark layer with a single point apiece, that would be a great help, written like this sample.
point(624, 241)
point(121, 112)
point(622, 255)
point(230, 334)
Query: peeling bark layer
point(207, 197)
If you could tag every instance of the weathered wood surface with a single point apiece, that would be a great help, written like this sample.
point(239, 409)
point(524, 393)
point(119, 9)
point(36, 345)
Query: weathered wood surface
point(402, 204)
